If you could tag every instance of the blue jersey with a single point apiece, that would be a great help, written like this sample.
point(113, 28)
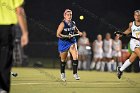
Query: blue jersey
point(65, 43)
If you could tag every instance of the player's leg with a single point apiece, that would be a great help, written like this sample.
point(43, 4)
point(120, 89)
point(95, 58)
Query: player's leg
point(109, 63)
point(104, 60)
point(139, 63)
point(69, 62)
point(98, 64)
point(80, 61)
point(6, 48)
point(74, 53)
point(93, 63)
point(100, 59)
point(115, 59)
point(84, 62)
point(113, 64)
point(119, 61)
point(137, 51)
point(127, 63)
point(63, 56)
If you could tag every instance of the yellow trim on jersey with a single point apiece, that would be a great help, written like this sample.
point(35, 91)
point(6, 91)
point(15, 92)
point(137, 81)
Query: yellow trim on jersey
point(8, 11)
point(137, 34)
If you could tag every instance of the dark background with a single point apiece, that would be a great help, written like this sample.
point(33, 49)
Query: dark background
point(100, 17)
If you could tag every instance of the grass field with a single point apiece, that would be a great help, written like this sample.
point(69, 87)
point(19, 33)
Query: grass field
point(38, 80)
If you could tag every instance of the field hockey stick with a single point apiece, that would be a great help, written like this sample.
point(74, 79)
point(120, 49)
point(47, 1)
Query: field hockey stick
point(70, 35)
point(130, 36)
point(121, 33)
point(75, 35)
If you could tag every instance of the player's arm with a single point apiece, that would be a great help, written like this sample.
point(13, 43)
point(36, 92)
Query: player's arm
point(23, 25)
point(128, 30)
point(88, 43)
point(77, 31)
point(59, 31)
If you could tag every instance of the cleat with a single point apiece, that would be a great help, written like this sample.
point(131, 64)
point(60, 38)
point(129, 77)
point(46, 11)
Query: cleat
point(63, 77)
point(76, 76)
point(14, 74)
point(119, 73)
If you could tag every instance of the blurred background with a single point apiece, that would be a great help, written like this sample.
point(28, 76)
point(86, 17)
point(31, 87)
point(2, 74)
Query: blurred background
point(44, 16)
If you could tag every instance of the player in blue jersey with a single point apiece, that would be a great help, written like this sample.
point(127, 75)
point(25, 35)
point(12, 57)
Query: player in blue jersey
point(67, 43)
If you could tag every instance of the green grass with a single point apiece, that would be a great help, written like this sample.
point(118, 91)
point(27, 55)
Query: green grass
point(46, 62)
point(39, 80)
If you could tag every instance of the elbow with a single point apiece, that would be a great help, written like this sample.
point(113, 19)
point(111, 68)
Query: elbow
point(20, 11)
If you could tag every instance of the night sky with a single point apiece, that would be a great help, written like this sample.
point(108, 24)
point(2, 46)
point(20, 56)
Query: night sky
point(101, 16)
point(45, 15)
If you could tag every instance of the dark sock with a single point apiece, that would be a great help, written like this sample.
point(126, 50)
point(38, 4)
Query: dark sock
point(75, 65)
point(62, 66)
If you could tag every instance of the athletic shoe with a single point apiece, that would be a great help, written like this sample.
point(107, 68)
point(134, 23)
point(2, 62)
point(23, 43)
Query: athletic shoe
point(119, 73)
point(14, 74)
point(76, 76)
point(63, 76)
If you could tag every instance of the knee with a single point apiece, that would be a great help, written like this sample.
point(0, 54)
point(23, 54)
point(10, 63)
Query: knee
point(75, 57)
point(63, 59)
point(136, 50)
point(131, 60)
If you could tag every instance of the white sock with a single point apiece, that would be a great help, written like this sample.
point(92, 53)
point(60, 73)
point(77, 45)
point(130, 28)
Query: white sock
point(69, 64)
point(98, 65)
point(102, 66)
point(79, 64)
point(92, 65)
point(125, 65)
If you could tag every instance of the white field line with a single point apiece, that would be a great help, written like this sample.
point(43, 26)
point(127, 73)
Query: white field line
point(14, 84)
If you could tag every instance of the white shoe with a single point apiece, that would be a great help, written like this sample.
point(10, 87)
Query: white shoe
point(63, 76)
point(76, 76)
point(2, 91)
